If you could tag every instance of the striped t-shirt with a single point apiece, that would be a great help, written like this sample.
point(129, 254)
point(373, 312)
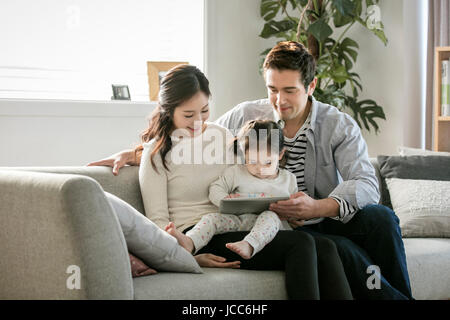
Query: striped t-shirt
point(296, 148)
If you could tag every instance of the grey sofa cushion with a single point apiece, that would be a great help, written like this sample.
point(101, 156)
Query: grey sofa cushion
point(428, 260)
point(412, 167)
point(213, 284)
point(423, 207)
point(147, 241)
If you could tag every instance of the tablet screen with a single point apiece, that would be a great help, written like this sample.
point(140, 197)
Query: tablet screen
point(240, 206)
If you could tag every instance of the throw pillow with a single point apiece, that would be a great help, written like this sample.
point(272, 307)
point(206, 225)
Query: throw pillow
point(405, 151)
point(139, 268)
point(412, 167)
point(146, 240)
point(423, 206)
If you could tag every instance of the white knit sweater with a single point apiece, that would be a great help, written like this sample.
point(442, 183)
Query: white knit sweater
point(180, 195)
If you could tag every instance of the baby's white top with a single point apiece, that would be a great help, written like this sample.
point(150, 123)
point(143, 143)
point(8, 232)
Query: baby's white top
point(237, 179)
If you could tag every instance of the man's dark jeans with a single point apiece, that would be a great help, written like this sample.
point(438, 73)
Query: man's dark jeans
point(371, 238)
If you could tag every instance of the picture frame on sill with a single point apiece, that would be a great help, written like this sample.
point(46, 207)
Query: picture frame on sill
point(120, 92)
point(156, 70)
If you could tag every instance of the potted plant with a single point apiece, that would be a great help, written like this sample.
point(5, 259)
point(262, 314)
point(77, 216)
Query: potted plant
point(309, 22)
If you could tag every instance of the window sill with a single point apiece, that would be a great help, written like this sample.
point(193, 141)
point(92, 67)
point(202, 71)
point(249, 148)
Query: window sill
point(74, 108)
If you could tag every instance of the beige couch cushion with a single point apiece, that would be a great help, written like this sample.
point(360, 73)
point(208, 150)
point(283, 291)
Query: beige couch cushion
point(213, 284)
point(428, 262)
point(423, 207)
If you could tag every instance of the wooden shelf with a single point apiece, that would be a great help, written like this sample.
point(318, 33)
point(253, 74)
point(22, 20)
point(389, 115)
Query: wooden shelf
point(441, 141)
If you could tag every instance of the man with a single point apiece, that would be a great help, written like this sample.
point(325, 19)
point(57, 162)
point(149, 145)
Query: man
point(336, 180)
point(335, 177)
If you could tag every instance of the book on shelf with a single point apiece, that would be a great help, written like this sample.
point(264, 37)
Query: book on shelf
point(445, 90)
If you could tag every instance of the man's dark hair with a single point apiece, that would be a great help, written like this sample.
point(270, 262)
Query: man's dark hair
point(291, 55)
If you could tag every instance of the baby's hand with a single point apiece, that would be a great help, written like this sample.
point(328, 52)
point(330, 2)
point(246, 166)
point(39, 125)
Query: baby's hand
point(233, 195)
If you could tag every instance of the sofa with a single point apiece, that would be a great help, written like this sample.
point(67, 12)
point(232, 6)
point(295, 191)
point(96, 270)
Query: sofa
point(55, 218)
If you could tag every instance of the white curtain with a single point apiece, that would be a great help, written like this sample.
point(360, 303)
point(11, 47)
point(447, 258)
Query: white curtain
point(414, 66)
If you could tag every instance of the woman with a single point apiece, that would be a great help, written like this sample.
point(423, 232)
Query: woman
point(312, 265)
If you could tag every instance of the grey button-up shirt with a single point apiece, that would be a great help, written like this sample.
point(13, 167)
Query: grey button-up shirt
point(337, 163)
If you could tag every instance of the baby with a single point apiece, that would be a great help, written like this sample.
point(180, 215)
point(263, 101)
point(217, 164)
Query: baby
point(261, 175)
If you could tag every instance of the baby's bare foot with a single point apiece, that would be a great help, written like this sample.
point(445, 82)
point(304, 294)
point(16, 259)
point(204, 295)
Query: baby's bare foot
point(242, 248)
point(183, 240)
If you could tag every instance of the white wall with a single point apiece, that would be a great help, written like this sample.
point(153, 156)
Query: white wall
point(382, 72)
point(232, 27)
point(393, 75)
point(233, 47)
point(389, 74)
point(67, 133)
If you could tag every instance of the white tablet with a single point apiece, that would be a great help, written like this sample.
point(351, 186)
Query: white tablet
point(240, 206)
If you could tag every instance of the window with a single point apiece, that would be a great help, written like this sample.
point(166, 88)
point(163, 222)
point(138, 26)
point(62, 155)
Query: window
point(76, 49)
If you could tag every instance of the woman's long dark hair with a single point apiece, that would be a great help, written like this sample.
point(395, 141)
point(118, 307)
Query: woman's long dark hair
point(179, 85)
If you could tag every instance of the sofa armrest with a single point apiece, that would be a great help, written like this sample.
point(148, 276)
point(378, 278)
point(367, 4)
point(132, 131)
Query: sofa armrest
point(49, 222)
point(125, 185)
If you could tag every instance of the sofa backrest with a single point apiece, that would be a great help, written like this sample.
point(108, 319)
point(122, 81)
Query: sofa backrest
point(126, 184)
point(377, 172)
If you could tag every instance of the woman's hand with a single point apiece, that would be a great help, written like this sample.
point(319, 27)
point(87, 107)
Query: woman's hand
point(116, 161)
point(212, 261)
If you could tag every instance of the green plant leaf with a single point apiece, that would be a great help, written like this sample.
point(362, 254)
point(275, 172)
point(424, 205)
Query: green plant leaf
point(337, 85)
point(294, 3)
point(347, 53)
point(332, 95)
point(302, 3)
point(320, 30)
point(321, 67)
point(269, 9)
point(313, 14)
point(262, 58)
point(347, 42)
point(366, 111)
point(268, 31)
point(339, 74)
point(358, 7)
point(348, 62)
point(339, 20)
point(380, 34)
point(276, 28)
point(353, 77)
point(345, 7)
